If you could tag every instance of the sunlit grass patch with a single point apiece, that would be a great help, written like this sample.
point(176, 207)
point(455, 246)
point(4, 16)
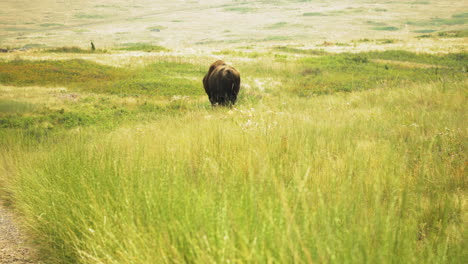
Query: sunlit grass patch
point(148, 47)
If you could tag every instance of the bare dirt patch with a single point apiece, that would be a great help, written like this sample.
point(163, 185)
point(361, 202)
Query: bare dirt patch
point(14, 248)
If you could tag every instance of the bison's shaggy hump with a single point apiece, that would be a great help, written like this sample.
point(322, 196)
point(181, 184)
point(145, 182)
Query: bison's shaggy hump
point(222, 83)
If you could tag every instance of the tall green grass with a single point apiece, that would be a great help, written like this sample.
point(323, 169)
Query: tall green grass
point(374, 176)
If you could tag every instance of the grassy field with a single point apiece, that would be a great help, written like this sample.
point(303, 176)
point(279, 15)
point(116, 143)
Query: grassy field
point(349, 149)
point(331, 158)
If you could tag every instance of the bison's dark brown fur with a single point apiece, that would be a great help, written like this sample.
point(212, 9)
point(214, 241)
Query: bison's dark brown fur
point(222, 83)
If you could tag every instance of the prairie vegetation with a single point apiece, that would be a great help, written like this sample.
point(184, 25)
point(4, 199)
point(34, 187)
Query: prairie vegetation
point(116, 155)
point(366, 164)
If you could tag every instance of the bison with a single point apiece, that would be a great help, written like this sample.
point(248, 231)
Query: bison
point(222, 84)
